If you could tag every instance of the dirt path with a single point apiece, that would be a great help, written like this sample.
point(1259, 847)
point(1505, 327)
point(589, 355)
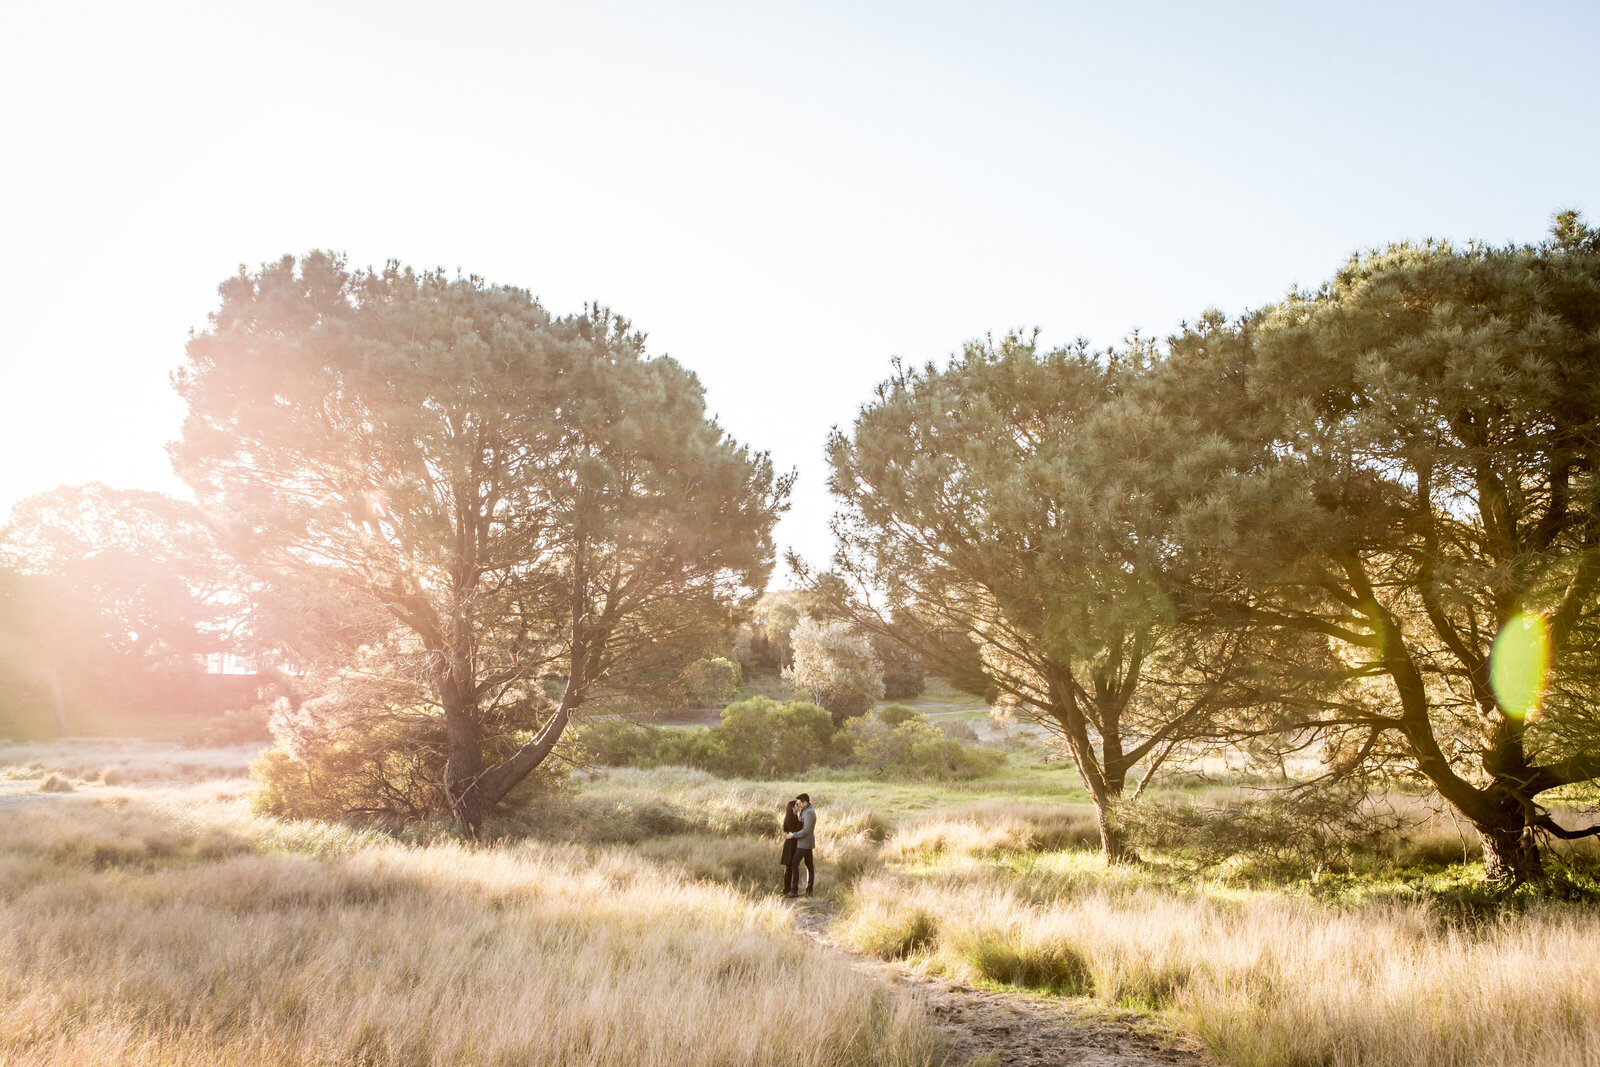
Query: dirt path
point(1000, 1029)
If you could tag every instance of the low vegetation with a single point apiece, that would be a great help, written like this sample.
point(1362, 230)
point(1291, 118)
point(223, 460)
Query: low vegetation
point(1265, 979)
point(630, 916)
point(766, 738)
point(161, 930)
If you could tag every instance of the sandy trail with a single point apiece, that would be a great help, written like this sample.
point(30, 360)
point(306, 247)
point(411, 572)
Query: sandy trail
point(1015, 1029)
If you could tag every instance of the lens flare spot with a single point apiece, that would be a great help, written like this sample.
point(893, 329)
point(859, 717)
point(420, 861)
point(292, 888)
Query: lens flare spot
point(1519, 664)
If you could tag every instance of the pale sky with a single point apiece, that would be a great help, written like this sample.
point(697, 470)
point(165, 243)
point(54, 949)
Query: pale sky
point(782, 195)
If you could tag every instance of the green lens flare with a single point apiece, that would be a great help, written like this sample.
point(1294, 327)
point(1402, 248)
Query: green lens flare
point(1519, 664)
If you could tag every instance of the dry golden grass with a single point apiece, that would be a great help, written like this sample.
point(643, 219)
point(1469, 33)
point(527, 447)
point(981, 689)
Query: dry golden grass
point(703, 826)
point(166, 929)
point(1265, 980)
point(626, 923)
point(990, 828)
point(116, 761)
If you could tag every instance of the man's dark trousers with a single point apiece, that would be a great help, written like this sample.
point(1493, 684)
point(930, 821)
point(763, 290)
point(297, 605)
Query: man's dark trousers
point(803, 855)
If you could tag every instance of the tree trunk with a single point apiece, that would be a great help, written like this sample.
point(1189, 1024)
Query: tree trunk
point(1100, 776)
point(1113, 841)
point(1113, 838)
point(488, 787)
point(1511, 857)
point(1106, 792)
point(1510, 849)
point(464, 763)
point(61, 705)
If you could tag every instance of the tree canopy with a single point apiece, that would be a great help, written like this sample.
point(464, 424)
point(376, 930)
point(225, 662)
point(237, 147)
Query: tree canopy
point(1012, 498)
point(837, 665)
point(1415, 483)
point(525, 496)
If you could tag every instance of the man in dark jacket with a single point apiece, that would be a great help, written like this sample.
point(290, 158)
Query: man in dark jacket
point(805, 842)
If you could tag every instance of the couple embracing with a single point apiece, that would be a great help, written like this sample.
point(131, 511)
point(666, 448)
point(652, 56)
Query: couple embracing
point(799, 841)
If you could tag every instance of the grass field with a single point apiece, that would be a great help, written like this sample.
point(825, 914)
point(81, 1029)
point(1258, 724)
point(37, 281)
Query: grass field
point(174, 928)
point(632, 919)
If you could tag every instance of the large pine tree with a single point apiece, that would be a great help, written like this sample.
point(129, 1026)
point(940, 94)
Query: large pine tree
point(527, 497)
point(1414, 482)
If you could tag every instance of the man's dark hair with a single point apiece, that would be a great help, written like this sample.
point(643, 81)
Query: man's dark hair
point(805, 797)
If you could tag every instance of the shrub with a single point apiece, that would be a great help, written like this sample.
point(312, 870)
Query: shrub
point(858, 821)
point(764, 738)
point(697, 747)
point(1019, 956)
point(891, 932)
point(612, 741)
point(895, 714)
point(236, 726)
point(383, 772)
point(836, 664)
point(384, 775)
point(1289, 830)
point(915, 749)
point(757, 738)
point(904, 673)
point(367, 749)
point(707, 683)
point(959, 731)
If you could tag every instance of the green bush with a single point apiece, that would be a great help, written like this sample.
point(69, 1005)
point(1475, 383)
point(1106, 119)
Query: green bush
point(757, 738)
point(1006, 956)
point(707, 683)
point(237, 726)
point(895, 714)
point(894, 935)
point(766, 738)
point(611, 741)
point(913, 748)
point(1288, 831)
point(393, 770)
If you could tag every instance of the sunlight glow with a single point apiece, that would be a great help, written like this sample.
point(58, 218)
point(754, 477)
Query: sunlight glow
point(1519, 664)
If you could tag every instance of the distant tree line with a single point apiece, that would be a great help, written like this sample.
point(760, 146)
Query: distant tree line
point(112, 597)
